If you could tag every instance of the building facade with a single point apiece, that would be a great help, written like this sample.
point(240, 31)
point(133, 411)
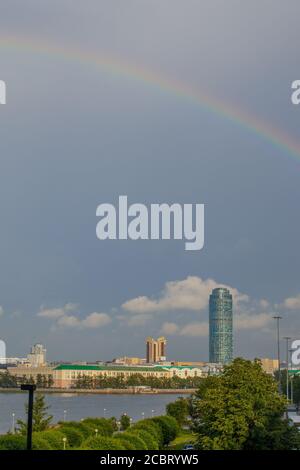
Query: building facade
point(66, 375)
point(220, 326)
point(155, 350)
point(37, 356)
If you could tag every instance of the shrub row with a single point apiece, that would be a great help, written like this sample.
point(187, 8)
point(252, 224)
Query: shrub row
point(148, 434)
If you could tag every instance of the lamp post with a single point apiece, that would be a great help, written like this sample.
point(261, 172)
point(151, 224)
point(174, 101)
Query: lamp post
point(143, 415)
point(64, 442)
point(292, 390)
point(287, 338)
point(96, 432)
point(13, 423)
point(104, 412)
point(65, 414)
point(278, 318)
point(152, 413)
point(30, 388)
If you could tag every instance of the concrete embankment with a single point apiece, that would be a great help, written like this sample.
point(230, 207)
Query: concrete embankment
point(108, 391)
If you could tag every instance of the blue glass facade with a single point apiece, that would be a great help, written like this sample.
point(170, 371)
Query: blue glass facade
point(220, 326)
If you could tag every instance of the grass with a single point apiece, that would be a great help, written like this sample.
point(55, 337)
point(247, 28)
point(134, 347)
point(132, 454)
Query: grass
point(185, 437)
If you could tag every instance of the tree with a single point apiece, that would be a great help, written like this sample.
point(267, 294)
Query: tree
point(179, 409)
point(40, 418)
point(242, 410)
point(125, 422)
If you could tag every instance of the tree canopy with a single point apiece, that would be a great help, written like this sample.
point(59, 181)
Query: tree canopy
point(241, 409)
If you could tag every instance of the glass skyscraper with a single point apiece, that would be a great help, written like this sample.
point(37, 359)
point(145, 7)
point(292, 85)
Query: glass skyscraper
point(220, 326)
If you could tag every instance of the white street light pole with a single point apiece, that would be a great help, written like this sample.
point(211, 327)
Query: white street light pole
point(13, 423)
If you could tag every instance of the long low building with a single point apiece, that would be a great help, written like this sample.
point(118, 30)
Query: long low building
point(65, 375)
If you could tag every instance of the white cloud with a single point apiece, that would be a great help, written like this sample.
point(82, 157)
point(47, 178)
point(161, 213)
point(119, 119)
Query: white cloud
point(191, 293)
point(292, 303)
point(251, 321)
point(138, 320)
point(65, 317)
point(191, 329)
point(93, 320)
point(169, 328)
point(57, 312)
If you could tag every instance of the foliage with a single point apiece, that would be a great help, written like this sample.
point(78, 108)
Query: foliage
point(38, 443)
point(86, 382)
point(179, 409)
point(128, 440)
point(241, 409)
point(40, 418)
point(104, 426)
point(12, 442)
point(102, 443)
point(149, 439)
point(138, 442)
point(125, 422)
point(169, 427)
point(151, 427)
point(74, 437)
point(83, 428)
point(7, 380)
point(54, 438)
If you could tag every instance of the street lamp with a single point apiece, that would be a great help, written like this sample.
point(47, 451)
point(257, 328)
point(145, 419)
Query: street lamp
point(96, 432)
point(104, 412)
point(292, 390)
point(13, 423)
point(152, 413)
point(65, 442)
point(29, 388)
point(287, 338)
point(278, 318)
point(143, 415)
point(65, 414)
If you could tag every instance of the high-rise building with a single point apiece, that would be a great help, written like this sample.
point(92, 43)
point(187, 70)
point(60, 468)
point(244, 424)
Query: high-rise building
point(220, 326)
point(155, 349)
point(37, 356)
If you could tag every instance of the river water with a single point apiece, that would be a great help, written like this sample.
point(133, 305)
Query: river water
point(74, 406)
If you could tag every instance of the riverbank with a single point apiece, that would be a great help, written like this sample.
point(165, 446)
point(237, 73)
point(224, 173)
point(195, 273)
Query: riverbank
point(108, 391)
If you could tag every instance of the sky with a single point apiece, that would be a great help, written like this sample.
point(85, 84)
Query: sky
point(75, 134)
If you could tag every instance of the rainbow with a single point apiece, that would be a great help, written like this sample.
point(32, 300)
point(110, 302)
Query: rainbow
point(121, 68)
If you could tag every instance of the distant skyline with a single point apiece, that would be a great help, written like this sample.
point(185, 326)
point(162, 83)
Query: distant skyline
point(77, 132)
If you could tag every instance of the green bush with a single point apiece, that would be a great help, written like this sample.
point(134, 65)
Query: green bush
point(86, 430)
point(139, 443)
point(104, 426)
point(169, 427)
point(128, 441)
point(12, 442)
point(152, 428)
point(147, 437)
point(74, 437)
point(38, 443)
point(102, 443)
point(54, 438)
point(179, 410)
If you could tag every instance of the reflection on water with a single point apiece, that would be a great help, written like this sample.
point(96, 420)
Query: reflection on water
point(76, 406)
